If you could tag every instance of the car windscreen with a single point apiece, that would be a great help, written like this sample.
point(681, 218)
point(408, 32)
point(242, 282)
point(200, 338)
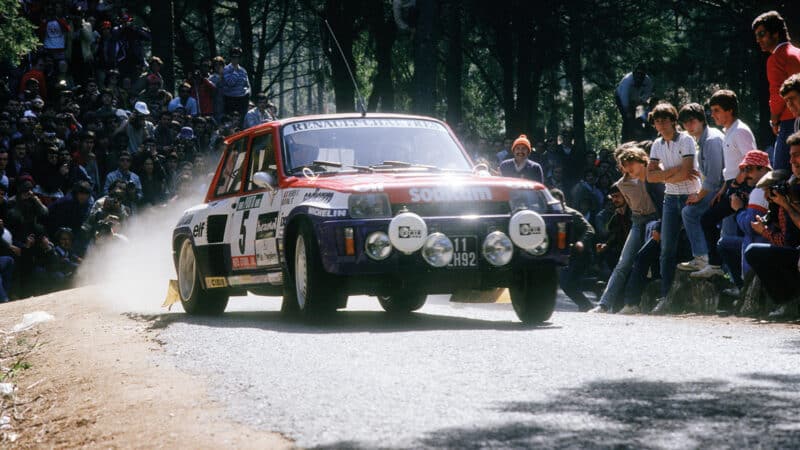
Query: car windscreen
point(377, 143)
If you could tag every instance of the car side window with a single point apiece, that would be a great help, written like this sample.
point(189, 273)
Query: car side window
point(262, 158)
point(230, 177)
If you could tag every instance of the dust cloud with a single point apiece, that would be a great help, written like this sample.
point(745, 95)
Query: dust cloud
point(133, 276)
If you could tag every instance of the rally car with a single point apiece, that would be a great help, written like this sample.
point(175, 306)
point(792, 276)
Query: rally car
point(318, 208)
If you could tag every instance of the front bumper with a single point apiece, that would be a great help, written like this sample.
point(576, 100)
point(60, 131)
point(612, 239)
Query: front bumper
point(400, 268)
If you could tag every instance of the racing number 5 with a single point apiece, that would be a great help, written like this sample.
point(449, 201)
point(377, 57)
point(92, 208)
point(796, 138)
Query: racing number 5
point(243, 231)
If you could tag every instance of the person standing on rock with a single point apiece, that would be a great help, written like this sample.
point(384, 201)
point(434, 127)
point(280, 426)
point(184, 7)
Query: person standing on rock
point(672, 162)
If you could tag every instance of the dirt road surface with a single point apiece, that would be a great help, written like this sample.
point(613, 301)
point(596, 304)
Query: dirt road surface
point(94, 379)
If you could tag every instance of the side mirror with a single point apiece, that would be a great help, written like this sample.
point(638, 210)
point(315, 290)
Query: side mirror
point(265, 180)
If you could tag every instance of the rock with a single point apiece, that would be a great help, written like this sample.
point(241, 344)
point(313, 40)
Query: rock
point(650, 296)
point(696, 295)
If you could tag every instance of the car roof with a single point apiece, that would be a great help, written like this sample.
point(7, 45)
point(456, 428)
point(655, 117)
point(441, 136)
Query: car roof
point(289, 120)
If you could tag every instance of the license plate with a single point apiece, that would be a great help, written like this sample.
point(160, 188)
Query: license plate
point(465, 252)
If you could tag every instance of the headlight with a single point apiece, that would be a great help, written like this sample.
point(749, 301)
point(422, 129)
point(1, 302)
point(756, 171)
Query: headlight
point(526, 199)
point(367, 206)
point(378, 246)
point(498, 248)
point(438, 250)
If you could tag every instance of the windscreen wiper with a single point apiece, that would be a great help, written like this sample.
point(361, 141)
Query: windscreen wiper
point(340, 165)
point(407, 165)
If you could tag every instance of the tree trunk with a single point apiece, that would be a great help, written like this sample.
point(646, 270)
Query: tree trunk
point(505, 56)
point(574, 70)
point(552, 103)
point(382, 29)
point(523, 29)
point(454, 66)
point(295, 89)
point(211, 33)
point(341, 16)
point(163, 43)
point(245, 23)
point(281, 96)
point(424, 80)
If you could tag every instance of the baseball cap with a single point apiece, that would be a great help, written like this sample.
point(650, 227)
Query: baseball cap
point(141, 108)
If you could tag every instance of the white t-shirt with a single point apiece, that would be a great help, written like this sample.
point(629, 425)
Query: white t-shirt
point(758, 200)
point(671, 154)
point(738, 141)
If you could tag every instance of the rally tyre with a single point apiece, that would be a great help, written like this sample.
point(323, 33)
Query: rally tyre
point(533, 294)
point(194, 299)
point(402, 302)
point(315, 291)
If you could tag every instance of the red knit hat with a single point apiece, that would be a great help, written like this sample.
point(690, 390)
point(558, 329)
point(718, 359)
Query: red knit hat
point(522, 140)
point(755, 158)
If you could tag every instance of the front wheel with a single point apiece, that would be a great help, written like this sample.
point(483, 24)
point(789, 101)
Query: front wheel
point(402, 302)
point(312, 290)
point(194, 299)
point(533, 294)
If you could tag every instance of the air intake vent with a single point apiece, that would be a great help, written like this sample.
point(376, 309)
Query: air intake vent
point(216, 228)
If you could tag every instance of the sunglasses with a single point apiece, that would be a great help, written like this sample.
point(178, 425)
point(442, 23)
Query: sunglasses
point(751, 168)
point(761, 33)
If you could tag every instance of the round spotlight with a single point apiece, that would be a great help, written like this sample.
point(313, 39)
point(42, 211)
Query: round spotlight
point(378, 246)
point(498, 248)
point(527, 229)
point(437, 250)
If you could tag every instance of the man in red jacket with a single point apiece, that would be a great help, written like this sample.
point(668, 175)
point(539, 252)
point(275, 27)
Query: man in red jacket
point(783, 62)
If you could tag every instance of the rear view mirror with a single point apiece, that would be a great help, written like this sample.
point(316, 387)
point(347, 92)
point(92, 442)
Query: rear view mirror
point(265, 180)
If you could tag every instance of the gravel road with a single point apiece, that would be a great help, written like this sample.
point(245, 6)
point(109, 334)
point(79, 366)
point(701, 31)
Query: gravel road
point(471, 376)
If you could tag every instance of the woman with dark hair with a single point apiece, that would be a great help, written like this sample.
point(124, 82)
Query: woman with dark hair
point(153, 182)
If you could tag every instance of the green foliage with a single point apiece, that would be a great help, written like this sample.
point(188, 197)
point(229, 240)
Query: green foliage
point(16, 33)
point(603, 122)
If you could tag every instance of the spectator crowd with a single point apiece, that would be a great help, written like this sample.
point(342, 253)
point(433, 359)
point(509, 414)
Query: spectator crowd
point(680, 194)
point(90, 137)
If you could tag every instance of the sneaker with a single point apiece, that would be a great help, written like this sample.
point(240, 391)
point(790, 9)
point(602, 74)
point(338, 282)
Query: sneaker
point(697, 263)
point(601, 308)
point(707, 272)
point(629, 310)
point(663, 306)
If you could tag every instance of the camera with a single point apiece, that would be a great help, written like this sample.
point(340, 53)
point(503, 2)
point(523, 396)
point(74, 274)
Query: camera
point(781, 188)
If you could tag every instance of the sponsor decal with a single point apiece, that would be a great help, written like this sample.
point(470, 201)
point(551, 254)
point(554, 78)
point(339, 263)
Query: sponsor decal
point(238, 280)
point(372, 187)
point(249, 202)
point(266, 230)
point(198, 229)
point(185, 220)
point(327, 212)
point(317, 196)
point(405, 232)
point(361, 123)
point(216, 282)
point(520, 185)
point(441, 194)
point(288, 197)
point(243, 262)
point(526, 229)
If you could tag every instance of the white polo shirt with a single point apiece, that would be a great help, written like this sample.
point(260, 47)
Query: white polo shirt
point(670, 154)
point(738, 141)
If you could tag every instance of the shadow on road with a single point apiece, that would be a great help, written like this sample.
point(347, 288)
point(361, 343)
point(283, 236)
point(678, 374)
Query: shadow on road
point(340, 322)
point(642, 414)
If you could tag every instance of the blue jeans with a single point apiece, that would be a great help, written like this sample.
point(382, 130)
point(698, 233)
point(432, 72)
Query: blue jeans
point(646, 260)
point(671, 222)
point(781, 160)
point(730, 249)
point(694, 230)
point(621, 272)
point(777, 269)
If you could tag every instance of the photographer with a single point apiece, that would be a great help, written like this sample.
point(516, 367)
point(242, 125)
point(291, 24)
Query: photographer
point(776, 263)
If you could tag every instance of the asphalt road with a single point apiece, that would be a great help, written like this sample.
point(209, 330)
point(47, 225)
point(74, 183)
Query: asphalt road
point(471, 376)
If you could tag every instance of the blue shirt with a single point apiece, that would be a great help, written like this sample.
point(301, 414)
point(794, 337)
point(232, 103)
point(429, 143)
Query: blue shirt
point(235, 82)
point(129, 176)
point(530, 170)
point(190, 107)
